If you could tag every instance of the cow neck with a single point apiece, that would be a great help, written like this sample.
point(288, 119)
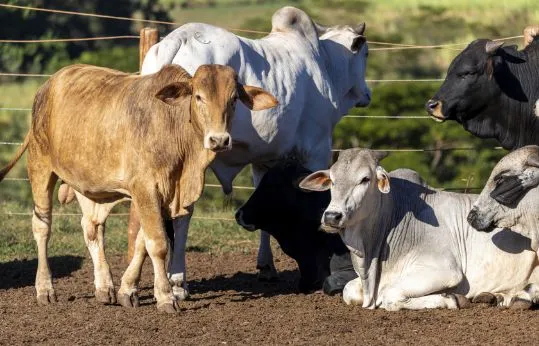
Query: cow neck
point(336, 66)
point(511, 118)
point(366, 241)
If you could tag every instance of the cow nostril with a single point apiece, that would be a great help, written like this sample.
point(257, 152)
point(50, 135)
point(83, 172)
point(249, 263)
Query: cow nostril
point(226, 142)
point(213, 142)
point(432, 104)
point(338, 216)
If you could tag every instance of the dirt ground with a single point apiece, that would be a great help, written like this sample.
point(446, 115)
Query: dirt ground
point(229, 306)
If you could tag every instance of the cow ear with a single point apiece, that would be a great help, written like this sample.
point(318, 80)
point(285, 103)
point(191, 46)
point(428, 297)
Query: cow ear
point(491, 47)
point(317, 181)
point(383, 179)
point(171, 92)
point(533, 160)
point(256, 99)
point(357, 43)
point(379, 155)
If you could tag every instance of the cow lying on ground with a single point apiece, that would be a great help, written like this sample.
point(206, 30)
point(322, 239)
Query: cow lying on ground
point(316, 80)
point(292, 216)
point(114, 136)
point(411, 245)
point(493, 91)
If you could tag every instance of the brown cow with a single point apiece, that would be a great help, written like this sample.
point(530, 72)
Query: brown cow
point(114, 136)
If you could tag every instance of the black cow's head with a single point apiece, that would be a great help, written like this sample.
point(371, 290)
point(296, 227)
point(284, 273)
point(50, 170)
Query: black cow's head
point(292, 216)
point(476, 77)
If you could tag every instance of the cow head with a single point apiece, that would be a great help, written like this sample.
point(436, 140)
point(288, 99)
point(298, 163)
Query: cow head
point(471, 83)
point(510, 198)
point(356, 181)
point(292, 216)
point(347, 50)
point(214, 90)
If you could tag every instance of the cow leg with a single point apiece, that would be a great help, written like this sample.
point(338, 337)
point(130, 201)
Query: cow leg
point(177, 268)
point(42, 180)
point(264, 260)
point(413, 290)
point(128, 292)
point(94, 216)
point(352, 293)
point(156, 244)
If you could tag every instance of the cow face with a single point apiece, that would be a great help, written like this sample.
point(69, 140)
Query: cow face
point(214, 90)
point(469, 85)
point(356, 181)
point(510, 198)
point(292, 217)
point(349, 51)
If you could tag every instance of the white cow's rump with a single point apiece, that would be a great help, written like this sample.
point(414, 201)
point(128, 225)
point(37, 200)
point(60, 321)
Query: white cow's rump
point(316, 80)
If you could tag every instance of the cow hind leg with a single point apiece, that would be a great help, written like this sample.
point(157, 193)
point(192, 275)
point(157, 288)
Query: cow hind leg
point(177, 273)
point(94, 216)
point(264, 259)
point(128, 293)
point(43, 181)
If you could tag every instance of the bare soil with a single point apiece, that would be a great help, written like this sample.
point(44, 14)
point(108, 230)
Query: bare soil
point(230, 306)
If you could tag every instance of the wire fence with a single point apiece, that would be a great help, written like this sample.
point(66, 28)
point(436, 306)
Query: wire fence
point(386, 46)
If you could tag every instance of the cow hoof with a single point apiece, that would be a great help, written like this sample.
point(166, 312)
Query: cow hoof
point(520, 304)
point(106, 296)
point(462, 301)
point(46, 298)
point(179, 286)
point(485, 298)
point(267, 273)
point(333, 285)
point(169, 307)
point(129, 300)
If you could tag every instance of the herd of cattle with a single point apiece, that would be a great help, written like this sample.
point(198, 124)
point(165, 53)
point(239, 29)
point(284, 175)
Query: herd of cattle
point(388, 240)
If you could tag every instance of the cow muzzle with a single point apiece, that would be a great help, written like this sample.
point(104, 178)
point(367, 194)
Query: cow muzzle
point(332, 221)
point(218, 142)
point(434, 108)
point(239, 220)
point(478, 222)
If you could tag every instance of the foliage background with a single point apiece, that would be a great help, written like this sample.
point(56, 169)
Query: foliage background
point(425, 22)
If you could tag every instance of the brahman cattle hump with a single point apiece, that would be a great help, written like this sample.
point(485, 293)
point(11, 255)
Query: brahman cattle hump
point(292, 216)
point(493, 91)
point(411, 245)
point(114, 136)
point(317, 74)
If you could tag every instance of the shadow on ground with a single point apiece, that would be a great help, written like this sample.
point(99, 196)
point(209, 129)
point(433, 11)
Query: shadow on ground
point(248, 286)
point(22, 273)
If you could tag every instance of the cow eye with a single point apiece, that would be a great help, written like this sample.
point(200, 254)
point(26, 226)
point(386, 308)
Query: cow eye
point(465, 74)
point(199, 98)
point(365, 180)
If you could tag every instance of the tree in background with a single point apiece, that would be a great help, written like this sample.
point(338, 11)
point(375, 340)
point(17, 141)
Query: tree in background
point(48, 57)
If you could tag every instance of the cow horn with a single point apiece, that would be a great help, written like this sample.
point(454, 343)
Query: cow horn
point(533, 160)
point(360, 29)
point(321, 29)
point(530, 32)
point(492, 47)
point(380, 155)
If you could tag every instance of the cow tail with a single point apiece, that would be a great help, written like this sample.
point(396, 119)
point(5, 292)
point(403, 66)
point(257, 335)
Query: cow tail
point(4, 171)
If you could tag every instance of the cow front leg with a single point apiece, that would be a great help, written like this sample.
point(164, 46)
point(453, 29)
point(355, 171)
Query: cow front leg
point(264, 259)
point(177, 273)
point(93, 221)
point(414, 291)
point(157, 246)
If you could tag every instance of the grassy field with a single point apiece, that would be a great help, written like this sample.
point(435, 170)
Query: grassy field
point(407, 21)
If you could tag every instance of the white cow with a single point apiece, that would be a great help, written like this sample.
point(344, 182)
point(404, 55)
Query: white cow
point(316, 80)
point(412, 246)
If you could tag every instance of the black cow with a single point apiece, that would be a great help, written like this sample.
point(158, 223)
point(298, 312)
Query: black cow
point(292, 216)
point(493, 92)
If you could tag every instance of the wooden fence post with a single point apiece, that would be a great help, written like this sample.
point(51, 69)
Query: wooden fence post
point(148, 37)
